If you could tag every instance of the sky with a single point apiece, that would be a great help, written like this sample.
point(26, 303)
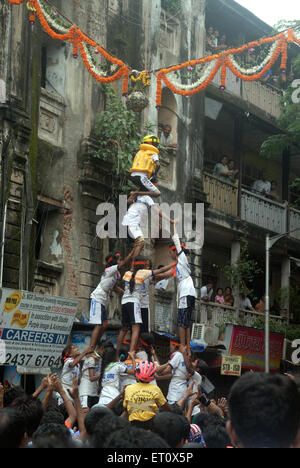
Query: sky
point(272, 11)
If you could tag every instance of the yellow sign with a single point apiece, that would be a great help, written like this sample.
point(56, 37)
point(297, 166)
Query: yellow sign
point(12, 301)
point(20, 319)
point(231, 365)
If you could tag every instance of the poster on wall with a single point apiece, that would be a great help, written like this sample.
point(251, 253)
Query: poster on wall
point(34, 328)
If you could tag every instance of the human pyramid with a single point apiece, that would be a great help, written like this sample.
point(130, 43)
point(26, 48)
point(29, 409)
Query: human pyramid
point(134, 358)
point(137, 279)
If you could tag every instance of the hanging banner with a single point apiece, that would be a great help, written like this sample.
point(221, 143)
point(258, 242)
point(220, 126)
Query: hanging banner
point(34, 328)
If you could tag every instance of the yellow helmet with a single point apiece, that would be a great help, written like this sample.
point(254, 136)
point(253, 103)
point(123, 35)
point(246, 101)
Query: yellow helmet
point(152, 139)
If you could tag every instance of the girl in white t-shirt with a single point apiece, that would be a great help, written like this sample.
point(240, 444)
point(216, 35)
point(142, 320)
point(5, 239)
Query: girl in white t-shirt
point(70, 359)
point(90, 374)
point(131, 300)
point(186, 291)
point(179, 367)
point(98, 313)
point(110, 377)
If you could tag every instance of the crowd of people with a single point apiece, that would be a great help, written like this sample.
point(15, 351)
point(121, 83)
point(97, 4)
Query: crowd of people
point(109, 395)
point(261, 411)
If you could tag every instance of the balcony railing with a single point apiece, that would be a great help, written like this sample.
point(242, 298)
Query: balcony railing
point(255, 209)
point(221, 195)
point(264, 213)
point(216, 314)
point(265, 97)
point(294, 223)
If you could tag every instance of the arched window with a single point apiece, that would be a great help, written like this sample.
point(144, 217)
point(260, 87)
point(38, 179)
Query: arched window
point(167, 115)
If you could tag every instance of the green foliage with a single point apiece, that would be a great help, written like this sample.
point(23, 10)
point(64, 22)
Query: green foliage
point(171, 6)
point(118, 134)
point(246, 269)
point(290, 332)
point(295, 191)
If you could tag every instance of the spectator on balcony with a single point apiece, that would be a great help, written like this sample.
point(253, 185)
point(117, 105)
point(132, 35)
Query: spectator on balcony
point(207, 292)
point(228, 297)
point(166, 138)
point(245, 303)
point(219, 299)
point(160, 129)
point(273, 194)
point(232, 172)
point(209, 40)
point(261, 306)
point(262, 186)
point(222, 171)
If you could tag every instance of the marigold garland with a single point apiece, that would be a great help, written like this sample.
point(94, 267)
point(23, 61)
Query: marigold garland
point(223, 60)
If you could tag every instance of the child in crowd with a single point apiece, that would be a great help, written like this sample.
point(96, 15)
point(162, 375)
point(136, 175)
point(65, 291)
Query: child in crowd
point(98, 314)
point(111, 371)
point(180, 367)
point(186, 290)
point(142, 400)
point(70, 359)
point(219, 299)
point(131, 300)
point(126, 378)
point(90, 374)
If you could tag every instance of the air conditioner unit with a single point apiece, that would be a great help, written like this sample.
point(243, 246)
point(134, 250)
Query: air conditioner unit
point(204, 334)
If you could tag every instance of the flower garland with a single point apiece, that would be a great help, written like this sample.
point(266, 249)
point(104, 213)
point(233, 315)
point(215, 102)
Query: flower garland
point(53, 19)
point(162, 76)
point(257, 68)
point(263, 71)
point(197, 83)
point(51, 23)
point(74, 35)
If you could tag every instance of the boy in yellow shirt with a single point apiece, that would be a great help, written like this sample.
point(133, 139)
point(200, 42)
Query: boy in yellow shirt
point(143, 399)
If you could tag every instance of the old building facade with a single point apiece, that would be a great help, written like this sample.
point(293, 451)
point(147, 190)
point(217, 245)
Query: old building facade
point(53, 186)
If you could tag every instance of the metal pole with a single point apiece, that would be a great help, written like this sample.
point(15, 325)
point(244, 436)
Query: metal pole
point(267, 312)
point(2, 243)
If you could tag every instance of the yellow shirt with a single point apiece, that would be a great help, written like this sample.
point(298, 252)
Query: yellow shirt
point(142, 401)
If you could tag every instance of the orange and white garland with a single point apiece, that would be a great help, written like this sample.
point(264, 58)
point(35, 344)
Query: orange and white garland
point(80, 42)
point(211, 65)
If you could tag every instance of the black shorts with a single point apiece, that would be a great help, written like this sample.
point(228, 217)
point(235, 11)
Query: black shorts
point(143, 183)
point(131, 314)
point(145, 327)
point(185, 315)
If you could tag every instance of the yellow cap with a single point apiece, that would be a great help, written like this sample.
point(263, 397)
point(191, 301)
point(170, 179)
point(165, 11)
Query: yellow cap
point(152, 139)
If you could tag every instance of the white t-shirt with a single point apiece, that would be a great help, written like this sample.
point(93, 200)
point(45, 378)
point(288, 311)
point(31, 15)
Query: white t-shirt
point(67, 373)
point(260, 185)
point(245, 303)
point(178, 383)
point(125, 378)
point(137, 210)
point(166, 140)
point(183, 273)
point(197, 379)
point(111, 382)
point(140, 277)
point(205, 293)
point(86, 387)
point(145, 292)
point(107, 283)
point(162, 284)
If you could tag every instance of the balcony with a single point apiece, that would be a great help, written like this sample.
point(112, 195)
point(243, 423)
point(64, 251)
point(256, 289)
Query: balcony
point(255, 209)
point(294, 222)
point(263, 96)
point(264, 213)
point(216, 314)
point(221, 195)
